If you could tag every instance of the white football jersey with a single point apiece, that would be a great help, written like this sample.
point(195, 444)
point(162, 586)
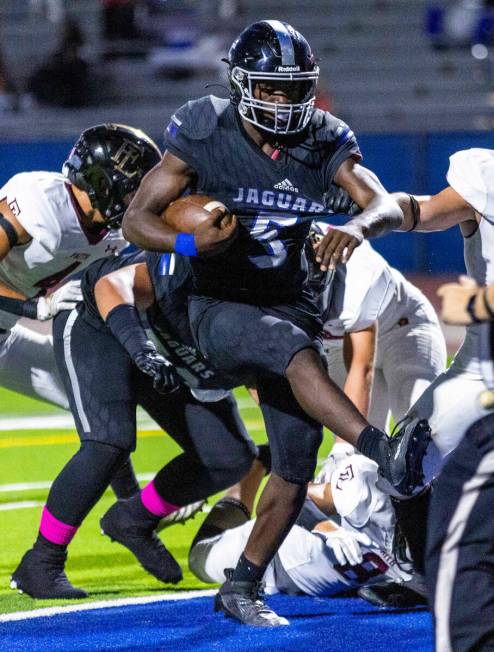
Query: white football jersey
point(363, 507)
point(471, 174)
point(44, 205)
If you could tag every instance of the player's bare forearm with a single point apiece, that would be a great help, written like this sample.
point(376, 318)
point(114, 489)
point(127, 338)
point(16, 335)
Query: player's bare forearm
point(381, 216)
point(322, 496)
point(142, 223)
point(128, 285)
point(358, 354)
point(433, 213)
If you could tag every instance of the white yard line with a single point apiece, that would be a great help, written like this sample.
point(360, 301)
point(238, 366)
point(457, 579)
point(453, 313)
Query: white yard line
point(31, 486)
point(64, 421)
point(104, 604)
point(22, 504)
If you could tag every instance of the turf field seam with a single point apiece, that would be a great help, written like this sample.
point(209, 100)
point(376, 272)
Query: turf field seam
point(105, 604)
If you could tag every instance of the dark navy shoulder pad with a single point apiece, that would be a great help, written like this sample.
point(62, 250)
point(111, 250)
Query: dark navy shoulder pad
point(328, 128)
point(198, 118)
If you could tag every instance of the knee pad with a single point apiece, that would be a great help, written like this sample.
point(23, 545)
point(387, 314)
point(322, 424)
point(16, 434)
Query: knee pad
point(103, 454)
point(296, 458)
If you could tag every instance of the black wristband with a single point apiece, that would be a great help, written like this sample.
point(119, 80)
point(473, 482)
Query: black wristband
point(125, 325)
point(19, 307)
point(487, 307)
point(415, 206)
point(471, 309)
point(10, 232)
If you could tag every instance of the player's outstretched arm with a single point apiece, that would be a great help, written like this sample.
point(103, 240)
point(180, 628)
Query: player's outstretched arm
point(380, 215)
point(118, 297)
point(435, 212)
point(358, 352)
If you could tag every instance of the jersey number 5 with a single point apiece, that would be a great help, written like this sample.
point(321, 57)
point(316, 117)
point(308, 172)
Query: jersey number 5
point(266, 228)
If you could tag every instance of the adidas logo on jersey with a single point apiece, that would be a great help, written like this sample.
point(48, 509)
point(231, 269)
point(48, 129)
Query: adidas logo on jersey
point(286, 184)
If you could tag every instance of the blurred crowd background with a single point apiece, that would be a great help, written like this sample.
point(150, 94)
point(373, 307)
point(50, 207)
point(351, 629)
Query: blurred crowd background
point(413, 78)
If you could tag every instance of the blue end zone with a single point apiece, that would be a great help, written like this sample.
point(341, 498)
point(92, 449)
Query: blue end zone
point(339, 625)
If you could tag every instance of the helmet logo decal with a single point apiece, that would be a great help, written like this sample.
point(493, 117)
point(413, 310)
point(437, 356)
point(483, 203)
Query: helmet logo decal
point(288, 69)
point(126, 155)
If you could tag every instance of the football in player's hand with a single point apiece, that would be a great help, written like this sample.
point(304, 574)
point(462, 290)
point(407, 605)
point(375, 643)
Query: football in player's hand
point(185, 214)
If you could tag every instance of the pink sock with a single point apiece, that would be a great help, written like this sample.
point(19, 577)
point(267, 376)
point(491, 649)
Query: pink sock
point(154, 503)
point(54, 530)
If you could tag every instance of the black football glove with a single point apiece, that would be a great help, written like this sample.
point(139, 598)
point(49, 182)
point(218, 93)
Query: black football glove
point(337, 200)
point(152, 363)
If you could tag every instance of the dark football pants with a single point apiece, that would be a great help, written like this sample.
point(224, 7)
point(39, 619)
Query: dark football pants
point(460, 545)
point(104, 388)
point(252, 344)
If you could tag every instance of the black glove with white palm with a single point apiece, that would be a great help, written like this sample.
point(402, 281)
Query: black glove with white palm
point(152, 363)
point(126, 326)
point(338, 201)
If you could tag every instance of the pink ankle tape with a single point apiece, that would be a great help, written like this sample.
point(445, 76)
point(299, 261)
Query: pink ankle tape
point(154, 503)
point(54, 530)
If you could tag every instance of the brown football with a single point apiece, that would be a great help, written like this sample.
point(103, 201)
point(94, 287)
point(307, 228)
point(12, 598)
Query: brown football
point(185, 214)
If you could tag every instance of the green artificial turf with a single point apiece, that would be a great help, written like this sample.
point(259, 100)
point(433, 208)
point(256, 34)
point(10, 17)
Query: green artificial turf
point(104, 569)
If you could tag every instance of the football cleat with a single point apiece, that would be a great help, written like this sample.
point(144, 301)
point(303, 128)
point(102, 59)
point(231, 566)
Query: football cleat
point(181, 515)
point(243, 602)
point(395, 594)
point(41, 575)
point(142, 541)
point(405, 453)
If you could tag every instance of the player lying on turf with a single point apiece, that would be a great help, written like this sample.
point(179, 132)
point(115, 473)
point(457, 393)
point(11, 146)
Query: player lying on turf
point(325, 560)
point(382, 339)
point(109, 366)
point(270, 157)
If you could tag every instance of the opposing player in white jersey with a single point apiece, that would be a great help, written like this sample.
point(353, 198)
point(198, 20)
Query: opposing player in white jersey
point(53, 225)
point(322, 562)
point(451, 403)
point(382, 338)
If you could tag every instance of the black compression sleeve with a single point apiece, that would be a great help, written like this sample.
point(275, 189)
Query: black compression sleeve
point(124, 323)
point(20, 307)
point(10, 232)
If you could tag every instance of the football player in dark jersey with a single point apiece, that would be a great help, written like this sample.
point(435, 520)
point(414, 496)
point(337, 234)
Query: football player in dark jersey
point(105, 380)
point(270, 157)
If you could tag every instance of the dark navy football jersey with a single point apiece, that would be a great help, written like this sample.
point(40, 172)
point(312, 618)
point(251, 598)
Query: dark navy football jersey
point(273, 199)
point(168, 321)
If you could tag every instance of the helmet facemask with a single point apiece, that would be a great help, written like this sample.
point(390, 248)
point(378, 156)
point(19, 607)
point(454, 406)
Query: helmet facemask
point(275, 117)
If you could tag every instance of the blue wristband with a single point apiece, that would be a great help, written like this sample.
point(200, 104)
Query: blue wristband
point(185, 244)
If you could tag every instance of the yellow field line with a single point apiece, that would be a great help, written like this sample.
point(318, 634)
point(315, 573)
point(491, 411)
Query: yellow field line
point(70, 438)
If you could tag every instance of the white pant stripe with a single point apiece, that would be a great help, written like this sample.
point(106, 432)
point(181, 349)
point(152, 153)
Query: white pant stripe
point(448, 560)
point(67, 331)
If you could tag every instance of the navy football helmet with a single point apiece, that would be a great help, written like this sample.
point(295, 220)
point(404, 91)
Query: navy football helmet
point(108, 162)
point(273, 54)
